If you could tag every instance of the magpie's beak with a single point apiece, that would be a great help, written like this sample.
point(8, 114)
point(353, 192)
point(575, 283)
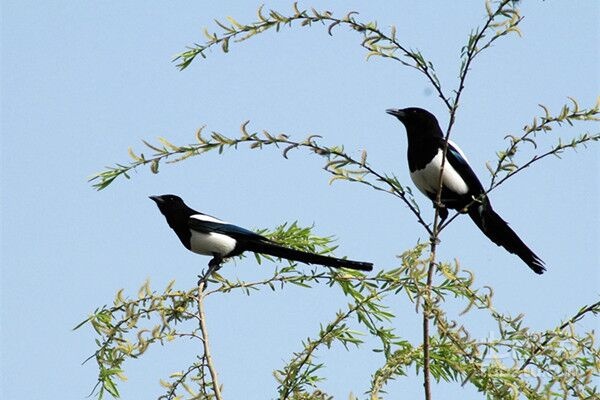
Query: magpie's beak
point(396, 112)
point(157, 199)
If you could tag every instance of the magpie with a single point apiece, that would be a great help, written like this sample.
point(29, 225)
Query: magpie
point(206, 235)
point(461, 190)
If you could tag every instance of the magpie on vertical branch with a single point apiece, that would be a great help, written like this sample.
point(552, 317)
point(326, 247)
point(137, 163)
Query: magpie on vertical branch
point(206, 235)
point(461, 190)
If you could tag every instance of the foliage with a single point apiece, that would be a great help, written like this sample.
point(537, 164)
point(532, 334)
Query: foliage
point(556, 363)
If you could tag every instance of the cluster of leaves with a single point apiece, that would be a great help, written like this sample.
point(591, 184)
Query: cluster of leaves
point(564, 357)
point(122, 334)
point(131, 325)
point(507, 166)
point(554, 363)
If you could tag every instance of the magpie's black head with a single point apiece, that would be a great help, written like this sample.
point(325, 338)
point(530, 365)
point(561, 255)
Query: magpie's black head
point(417, 121)
point(172, 207)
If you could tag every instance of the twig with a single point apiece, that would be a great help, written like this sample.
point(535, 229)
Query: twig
point(393, 189)
point(594, 308)
point(472, 52)
point(205, 341)
point(276, 19)
point(291, 382)
point(554, 151)
point(171, 394)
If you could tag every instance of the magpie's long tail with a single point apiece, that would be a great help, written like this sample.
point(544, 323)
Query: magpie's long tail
point(498, 231)
point(279, 251)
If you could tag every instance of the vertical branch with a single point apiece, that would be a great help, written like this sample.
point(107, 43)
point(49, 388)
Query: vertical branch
point(426, 357)
point(472, 52)
point(205, 341)
point(427, 297)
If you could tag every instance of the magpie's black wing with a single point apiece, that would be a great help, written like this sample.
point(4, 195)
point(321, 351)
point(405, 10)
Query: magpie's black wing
point(457, 159)
point(230, 230)
point(486, 219)
point(251, 241)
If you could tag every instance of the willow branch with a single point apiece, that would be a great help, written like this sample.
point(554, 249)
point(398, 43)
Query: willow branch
point(472, 52)
point(593, 308)
point(336, 157)
point(554, 151)
point(372, 36)
point(205, 341)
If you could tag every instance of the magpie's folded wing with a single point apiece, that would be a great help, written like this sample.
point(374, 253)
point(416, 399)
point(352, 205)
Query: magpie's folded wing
point(459, 162)
point(224, 228)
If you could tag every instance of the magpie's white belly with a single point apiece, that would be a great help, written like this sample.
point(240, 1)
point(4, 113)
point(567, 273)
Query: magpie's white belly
point(210, 243)
point(427, 179)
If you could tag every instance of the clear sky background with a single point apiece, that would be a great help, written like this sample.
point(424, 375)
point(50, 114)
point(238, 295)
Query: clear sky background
point(83, 81)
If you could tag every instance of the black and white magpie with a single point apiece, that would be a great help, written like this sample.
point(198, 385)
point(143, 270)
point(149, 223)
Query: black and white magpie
point(461, 190)
point(203, 234)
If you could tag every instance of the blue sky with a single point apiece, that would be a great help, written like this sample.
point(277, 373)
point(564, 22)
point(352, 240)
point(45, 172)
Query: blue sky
point(83, 81)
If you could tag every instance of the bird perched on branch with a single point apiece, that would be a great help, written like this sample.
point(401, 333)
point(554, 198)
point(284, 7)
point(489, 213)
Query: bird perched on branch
point(461, 190)
point(203, 234)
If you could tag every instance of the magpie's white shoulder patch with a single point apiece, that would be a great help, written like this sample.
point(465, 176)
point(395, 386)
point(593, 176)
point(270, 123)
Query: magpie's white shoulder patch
point(426, 179)
point(207, 218)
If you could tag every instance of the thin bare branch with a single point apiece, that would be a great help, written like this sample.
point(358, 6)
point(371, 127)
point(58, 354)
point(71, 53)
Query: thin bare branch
point(205, 341)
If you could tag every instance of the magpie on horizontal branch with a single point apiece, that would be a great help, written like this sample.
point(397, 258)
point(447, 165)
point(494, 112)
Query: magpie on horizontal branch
point(206, 235)
point(461, 190)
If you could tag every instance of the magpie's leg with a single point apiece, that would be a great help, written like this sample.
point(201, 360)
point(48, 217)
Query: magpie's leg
point(215, 263)
point(443, 212)
point(213, 266)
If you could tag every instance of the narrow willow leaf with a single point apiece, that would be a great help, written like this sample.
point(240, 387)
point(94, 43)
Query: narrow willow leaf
point(329, 29)
point(110, 387)
point(223, 26)
point(134, 156)
point(158, 150)
point(575, 105)
point(168, 144)
point(154, 166)
point(287, 149)
point(546, 111)
point(244, 130)
point(261, 17)
point(516, 30)
point(225, 45)
point(165, 384)
point(488, 8)
point(208, 36)
point(234, 22)
point(373, 53)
